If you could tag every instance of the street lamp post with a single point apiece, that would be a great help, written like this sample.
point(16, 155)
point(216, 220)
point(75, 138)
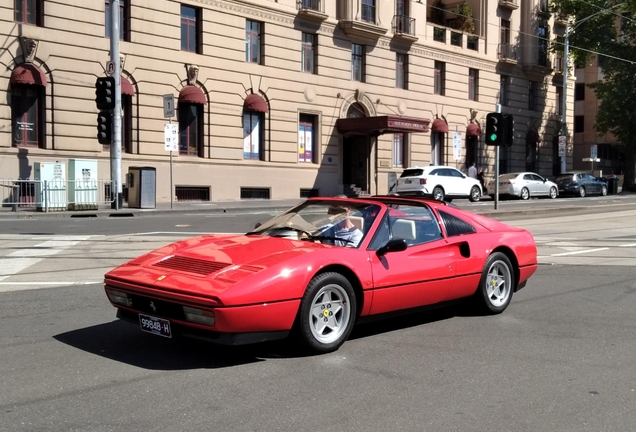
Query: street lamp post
point(566, 51)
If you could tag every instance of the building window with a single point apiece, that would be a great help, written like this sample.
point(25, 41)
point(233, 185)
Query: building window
point(307, 151)
point(401, 68)
point(437, 148)
point(190, 130)
point(532, 95)
point(124, 20)
point(399, 150)
point(368, 11)
point(252, 135)
point(473, 84)
point(504, 35)
point(190, 25)
point(579, 124)
point(439, 80)
point(308, 60)
point(503, 90)
point(542, 45)
point(27, 115)
point(357, 62)
point(28, 12)
point(558, 102)
point(253, 41)
point(579, 92)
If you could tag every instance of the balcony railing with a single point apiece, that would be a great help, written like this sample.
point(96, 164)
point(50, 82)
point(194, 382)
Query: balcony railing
point(457, 39)
point(368, 13)
point(403, 24)
point(507, 52)
point(472, 43)
point(312, 5)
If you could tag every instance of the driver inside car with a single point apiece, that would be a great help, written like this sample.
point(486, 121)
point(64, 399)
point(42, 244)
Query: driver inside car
point(347, 233)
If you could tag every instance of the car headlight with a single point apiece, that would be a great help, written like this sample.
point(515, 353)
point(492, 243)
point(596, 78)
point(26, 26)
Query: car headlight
point(118, 297)
point(199, 316)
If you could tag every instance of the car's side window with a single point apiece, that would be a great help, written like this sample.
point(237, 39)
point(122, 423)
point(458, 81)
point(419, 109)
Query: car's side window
point(456, 173)
point(537, 178)
point(527, 177)
point(416, 225)
point(435, 172)
point(445, 172)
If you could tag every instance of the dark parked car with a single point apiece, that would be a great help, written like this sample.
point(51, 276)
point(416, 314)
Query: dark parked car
point(580, 184)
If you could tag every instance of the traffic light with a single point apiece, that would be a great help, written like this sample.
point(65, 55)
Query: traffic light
point(105, 127)
point(507, 130)
point(105, 93)
point(494, 129)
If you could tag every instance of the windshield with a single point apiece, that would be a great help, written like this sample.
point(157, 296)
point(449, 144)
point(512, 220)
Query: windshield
point(337, 222)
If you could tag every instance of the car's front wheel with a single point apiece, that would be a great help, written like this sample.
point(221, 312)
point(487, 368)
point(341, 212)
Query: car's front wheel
point(327, 312)
point(582, 192)
point(604, 190)
point(438, 193)
point(475, 194)
point(525, 194)
point(496, 284)
point(553, 192)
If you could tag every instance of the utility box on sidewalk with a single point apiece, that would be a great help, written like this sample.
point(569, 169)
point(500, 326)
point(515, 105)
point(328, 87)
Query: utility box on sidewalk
point(82, 184)
point(142, 187)
point(50, 186)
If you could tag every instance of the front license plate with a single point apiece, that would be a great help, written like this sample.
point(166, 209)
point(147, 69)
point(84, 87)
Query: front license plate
point(154, 325)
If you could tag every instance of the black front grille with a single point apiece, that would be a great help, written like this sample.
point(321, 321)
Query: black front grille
point(191, 265)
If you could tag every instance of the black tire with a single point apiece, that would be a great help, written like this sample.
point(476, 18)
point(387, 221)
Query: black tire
point(475, 194)
point(314, 304)
point(438, 193)
point(582, 192)
point(553, 192)
point(604, 190)
point(497, 270)
point(525, 194)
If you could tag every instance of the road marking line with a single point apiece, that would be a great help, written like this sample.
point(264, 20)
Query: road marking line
point(52, 283)
point(628, 245)
point(580, 252)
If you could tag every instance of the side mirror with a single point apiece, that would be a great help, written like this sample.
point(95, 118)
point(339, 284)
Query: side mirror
point(395, 245)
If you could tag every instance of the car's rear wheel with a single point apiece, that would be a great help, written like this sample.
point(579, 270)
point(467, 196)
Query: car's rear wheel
point(604, 190)
point(327, 312)
point(438, 193)
point(553, 192)
point(525, 194)
point(475, 194)
point(582, 192)
point(496, 284)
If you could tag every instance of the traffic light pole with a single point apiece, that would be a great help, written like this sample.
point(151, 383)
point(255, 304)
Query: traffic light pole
point(115, 147)
point(498, 110)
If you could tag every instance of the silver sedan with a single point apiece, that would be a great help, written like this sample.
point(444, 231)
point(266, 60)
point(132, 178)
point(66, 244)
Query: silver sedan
point(524, 185)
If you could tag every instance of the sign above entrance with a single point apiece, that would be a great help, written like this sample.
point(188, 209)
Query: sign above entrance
point(382, 124)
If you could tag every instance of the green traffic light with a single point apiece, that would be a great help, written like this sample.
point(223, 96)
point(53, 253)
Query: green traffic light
point(493, 137)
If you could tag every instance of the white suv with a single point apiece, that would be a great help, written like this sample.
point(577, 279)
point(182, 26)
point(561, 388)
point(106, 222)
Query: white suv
point(441, 182)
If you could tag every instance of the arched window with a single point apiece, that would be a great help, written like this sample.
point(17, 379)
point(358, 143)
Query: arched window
point(191, 102)
point(28, 121)
point(254, 109)
point(356, 110)
point(438, 130)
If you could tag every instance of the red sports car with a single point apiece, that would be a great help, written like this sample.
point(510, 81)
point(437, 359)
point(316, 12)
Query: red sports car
point(320, 267)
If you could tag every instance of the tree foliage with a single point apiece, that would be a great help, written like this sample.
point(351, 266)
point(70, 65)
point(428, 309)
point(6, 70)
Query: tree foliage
point(606, 30)
point(465, 21)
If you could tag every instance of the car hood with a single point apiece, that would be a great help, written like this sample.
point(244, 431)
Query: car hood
point(208, 265)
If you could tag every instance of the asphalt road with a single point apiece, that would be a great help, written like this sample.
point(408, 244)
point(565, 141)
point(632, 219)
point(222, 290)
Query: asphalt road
point(560, 358)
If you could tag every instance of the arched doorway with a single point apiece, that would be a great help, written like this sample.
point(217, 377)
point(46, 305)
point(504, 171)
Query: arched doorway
point(355, 157)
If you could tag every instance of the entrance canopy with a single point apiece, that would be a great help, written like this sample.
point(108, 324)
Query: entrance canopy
point(381, 125)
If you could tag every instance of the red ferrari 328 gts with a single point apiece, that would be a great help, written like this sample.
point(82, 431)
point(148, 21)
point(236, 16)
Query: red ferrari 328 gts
point(320, 267)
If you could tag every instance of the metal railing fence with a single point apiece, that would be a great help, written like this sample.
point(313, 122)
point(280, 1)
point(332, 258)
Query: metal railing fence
point(55, 195)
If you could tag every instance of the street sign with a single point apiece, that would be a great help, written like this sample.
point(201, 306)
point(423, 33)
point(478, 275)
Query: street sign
point(171, 136)
point(168, 106)
point(110, 67)
point(562, 144)
point(457, 146)
point(593, 151)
